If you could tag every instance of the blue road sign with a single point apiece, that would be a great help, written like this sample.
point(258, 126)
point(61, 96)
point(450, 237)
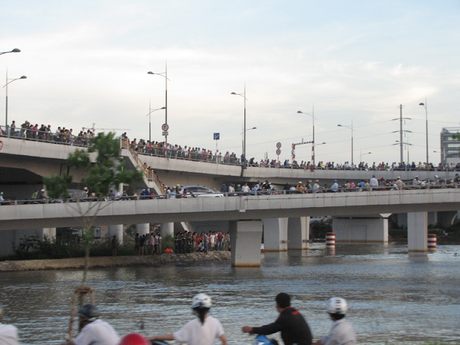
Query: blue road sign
point(216, 136)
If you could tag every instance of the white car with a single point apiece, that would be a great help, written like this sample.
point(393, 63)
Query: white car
point(196, 192)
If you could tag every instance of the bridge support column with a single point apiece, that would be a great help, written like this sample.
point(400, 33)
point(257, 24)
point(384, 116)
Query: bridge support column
point(417, 233)
point(298, 233)
point(167, 229)
point(50, 233)
point(245, 239)
point(116, 230)
point(143, 229)
point(275, 234)
point(362, 229)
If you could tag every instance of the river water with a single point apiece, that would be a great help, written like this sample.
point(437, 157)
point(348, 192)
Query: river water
point(392, 298)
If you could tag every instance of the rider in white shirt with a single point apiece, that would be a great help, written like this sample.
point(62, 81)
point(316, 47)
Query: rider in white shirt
point(93, 331)
point(201, 331)
point(8, 333)
point(341, 332)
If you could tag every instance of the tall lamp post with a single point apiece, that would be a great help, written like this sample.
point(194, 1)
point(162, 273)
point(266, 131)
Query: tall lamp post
point(351, 127)
point(15, 50)
point(9, 81)
point(150, 120)
point(425, 105)
point(164, 75)
point(363, 154)
point(243, 163)
point(313, 136)
point(247, 130)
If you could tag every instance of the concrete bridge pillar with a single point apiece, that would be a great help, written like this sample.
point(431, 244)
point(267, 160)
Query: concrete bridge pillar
point(298, 233)
point(116, 230)
point(361, 229)
point(143, 229)
point(245, 239)
point(50, 233)
point(417, 233)
point(275, 234)
point(167, 229)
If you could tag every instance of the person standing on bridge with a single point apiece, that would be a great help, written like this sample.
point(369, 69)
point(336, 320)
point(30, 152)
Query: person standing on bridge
point(292, 325)
point(335, 186)
point(341, 332)
point(374, 182)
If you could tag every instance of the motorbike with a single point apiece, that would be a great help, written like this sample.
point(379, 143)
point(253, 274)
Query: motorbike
point(263, 340)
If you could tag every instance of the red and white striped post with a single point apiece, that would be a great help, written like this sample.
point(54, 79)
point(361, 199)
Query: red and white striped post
point(432, 242)
point(330, 240)
point(330, 243)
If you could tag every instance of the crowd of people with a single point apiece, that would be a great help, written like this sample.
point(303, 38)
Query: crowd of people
point(148, 244)
point(368, 184)
point(188, 242)
point(265, 187)
point(205, 329)
point(63, 135)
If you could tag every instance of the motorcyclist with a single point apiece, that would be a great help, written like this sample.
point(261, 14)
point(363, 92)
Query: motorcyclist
point(201, 331)
point(341, 332)
point(93, 331)
point(292, 325)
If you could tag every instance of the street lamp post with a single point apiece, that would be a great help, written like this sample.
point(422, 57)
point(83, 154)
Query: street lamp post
point(164, 75)
point(243, 156)
point(351, 127)
point(425, 105)
point(15, 50)
point(9, 81)
point(242, 142)
point(150, 120)
point(313, 136)
point(363, 154)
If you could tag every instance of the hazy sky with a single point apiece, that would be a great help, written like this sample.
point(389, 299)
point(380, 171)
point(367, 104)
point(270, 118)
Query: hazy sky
point(355, 61)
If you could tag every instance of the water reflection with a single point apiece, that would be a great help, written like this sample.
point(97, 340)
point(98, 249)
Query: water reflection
point(391, 297)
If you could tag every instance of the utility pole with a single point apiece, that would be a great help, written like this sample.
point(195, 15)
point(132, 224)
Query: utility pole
point(400, 135)
point(401, 132)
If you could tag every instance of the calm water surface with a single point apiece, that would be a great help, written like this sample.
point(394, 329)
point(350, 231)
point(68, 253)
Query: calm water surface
point(392, 298)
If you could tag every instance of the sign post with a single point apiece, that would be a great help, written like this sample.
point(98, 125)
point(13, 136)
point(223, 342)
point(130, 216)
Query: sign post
point(216, 136)
point(164, 128)
point(278, 151)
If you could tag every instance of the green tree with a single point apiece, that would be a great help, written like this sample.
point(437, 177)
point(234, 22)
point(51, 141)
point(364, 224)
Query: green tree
point(105, 169)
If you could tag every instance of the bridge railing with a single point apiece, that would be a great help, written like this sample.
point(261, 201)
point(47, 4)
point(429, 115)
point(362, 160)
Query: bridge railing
point(306, 193)
point(64, 138)
point(69, 138)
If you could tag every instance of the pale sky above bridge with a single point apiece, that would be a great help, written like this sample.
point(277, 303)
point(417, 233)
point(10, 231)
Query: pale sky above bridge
point(86, 62)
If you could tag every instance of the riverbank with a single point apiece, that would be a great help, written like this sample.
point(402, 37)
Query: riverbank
point(112, 261)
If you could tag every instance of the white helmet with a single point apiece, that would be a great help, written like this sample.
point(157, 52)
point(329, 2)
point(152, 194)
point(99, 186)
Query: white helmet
point(337, 305)
point(201, 301)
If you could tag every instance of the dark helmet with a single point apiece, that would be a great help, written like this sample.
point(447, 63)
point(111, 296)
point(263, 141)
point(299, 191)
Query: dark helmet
point(88, 312)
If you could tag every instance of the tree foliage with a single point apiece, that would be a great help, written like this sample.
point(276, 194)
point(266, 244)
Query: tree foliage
point(57, 186)
point(105, 170)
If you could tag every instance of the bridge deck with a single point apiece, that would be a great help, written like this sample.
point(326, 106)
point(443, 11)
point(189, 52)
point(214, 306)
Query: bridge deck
point(232, 208)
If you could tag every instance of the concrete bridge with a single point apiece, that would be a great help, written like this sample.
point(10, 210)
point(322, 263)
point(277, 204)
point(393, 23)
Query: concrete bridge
point(284, 218)
point(23, 163)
